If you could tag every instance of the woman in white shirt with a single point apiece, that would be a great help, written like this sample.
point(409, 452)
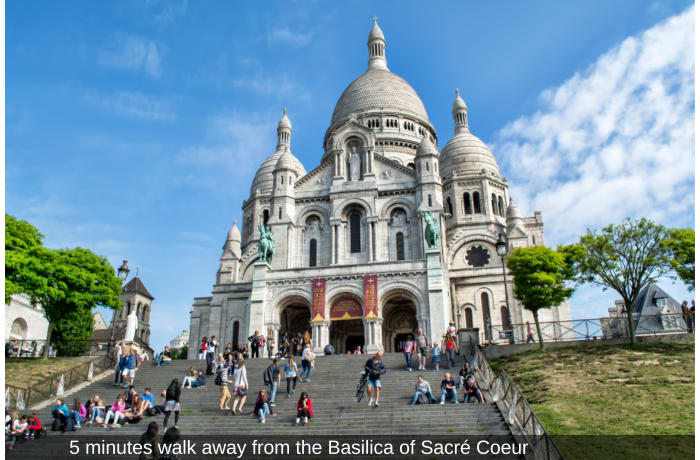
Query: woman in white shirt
point(240, 387)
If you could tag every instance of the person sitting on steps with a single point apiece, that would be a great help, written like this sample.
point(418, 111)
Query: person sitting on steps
point(304, 408)
point(61, 417)
point(422, 389)
point(472, 393)
point(262, 407)
point(116, 412)
point(449, 387)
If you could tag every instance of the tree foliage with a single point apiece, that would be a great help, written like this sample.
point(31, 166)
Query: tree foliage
point(680, 247)
point(68, 283)
point(539, 278)
point(179, 353)
point(624, 257)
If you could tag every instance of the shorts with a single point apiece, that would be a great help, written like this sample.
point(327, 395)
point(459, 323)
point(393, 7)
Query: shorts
point(172, 405)
point(234, 390)
point(374, 383)
point(130, 373)
point(423, 351)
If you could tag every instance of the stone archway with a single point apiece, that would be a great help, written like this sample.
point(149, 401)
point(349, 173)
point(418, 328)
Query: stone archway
point(346, 327)
point(294, 319)
point(399, 319)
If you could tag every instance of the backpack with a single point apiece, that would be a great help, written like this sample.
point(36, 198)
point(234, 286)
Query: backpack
point(218, 380)
point(267, 375)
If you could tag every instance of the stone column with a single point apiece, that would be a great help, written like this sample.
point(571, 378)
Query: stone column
point(335, 237)
point(372, 221)
point(438, 308)
point(319, 336)
point(373, 341)
point(257, 298)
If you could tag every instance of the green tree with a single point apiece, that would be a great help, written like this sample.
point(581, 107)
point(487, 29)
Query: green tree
point(624, 257)
point(68, 283)
point(539, 278)
point(179, 353)
point(680, 247)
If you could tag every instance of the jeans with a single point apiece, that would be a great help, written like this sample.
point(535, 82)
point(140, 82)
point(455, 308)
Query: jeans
point(118, 377)
point(96, 412)
point(161, 362)
point(58, 418)
point(446, 392)
point(450, 355)
point(77, 417)
point(273, 391)
point(290, 379)
point(408, 357)
point(117, 416)
point(263, 412)
point(210, 358)
point(470, 399)
point(429, 394)
point(305, 368)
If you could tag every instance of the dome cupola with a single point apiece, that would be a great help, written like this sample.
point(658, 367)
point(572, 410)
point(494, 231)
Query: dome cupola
point(284, 132)
point(377, 47)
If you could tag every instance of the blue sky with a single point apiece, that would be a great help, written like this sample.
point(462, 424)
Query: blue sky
point(134, 128)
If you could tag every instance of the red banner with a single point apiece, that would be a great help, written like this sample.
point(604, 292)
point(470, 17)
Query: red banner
point(371, 311)
point(318, 294)
point(345, 309)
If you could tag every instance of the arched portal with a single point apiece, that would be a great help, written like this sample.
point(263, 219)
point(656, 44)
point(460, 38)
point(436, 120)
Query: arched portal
point(399, 320)
point(18, 330)
point(347, 331)
point(295, 318)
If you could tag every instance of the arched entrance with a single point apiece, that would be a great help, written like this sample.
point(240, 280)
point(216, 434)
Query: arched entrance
point(399, 314)
point(347, 331)
point(295, 318)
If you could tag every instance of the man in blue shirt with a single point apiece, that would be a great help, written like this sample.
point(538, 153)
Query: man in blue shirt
point(121, 365)
point(448, 386)
point(132, 363)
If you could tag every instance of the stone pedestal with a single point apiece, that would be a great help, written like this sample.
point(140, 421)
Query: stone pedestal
point(373, 335)
point(320, 336)
point(437, 297)
point(257, 299)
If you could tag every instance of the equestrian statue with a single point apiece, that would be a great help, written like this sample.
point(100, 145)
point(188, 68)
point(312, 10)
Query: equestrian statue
point(266, 244)
point(431, 229)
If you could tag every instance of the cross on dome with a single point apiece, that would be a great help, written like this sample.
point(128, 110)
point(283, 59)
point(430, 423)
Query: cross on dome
point(375, 19)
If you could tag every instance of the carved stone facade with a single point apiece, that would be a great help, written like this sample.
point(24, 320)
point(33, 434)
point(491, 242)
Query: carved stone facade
point(356, 219)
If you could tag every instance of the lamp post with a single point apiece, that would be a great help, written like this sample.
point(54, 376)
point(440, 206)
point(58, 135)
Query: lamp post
point(122, 273)
point(502, 250)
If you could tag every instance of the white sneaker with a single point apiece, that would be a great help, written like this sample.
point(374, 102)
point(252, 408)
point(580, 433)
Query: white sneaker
point(371, 401)
point(442, 403)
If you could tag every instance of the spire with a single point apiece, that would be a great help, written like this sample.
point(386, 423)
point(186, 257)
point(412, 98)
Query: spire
point(284, 132)
point(233, 241)
point(376, 46)
point(459, 113)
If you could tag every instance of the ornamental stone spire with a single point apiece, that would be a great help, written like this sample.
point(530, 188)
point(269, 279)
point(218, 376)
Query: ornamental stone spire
point(284, 133)
point(377, 47)
point(459, 113)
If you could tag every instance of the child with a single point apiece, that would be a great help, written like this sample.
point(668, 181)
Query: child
point(35, 429)
point(117, 411)
point(435, 351)
point(262, 407)
point(97, 411)
point(79, 413)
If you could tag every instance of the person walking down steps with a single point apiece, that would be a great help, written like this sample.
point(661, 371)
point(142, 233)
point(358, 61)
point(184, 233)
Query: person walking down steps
point(172, 403)
point(290, 372)
point(374, 367)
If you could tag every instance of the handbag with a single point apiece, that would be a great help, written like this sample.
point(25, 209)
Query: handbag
point(242, 392)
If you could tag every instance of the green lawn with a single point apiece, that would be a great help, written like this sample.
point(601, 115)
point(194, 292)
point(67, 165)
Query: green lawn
point(614, 392)
point(24, 372)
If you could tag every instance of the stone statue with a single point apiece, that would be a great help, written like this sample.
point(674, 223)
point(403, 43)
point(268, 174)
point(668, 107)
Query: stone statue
point(355, 163)
point(431, 229)
point(131, 324)
point(266, 244)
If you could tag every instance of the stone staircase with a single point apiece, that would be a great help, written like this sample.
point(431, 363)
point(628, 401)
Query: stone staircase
point(332, 389)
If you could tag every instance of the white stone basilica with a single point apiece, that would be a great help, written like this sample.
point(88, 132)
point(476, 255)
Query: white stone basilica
point(351, 264)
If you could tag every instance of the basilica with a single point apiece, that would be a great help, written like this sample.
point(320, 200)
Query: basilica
point(386, 235)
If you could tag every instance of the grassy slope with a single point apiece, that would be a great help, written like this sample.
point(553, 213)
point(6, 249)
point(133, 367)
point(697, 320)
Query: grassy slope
point(610, 390)
point(24, 372)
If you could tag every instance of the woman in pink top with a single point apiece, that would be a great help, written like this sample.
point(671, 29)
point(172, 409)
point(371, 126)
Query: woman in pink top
point(117, 410)
point(79, 413)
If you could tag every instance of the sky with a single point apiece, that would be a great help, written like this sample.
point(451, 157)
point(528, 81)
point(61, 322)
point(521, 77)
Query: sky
point(134, 128)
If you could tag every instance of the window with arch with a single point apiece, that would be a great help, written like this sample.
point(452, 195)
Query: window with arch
point(477, 202)
point(486, 311)
point(504, 318)
point(494, 205)
point(145, 309)
point(501, 207)
point(128, 308)
point(236, 327)
point(467, 204)
point(355, 229)
point(399, 247)
point(469, 318)
point(312, 253)
point(266, 216)
point(449, 205)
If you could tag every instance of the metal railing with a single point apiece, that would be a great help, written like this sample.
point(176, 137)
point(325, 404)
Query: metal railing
point(21, 398)
point(500, 389)
point(24, 348)
point(590, 329)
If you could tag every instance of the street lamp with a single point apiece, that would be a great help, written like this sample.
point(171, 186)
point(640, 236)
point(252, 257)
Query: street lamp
point(502, 250)
point(122, 273)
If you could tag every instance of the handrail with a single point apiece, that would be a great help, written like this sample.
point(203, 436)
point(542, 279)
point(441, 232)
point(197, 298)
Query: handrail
point(55, 385)
point(517, 412)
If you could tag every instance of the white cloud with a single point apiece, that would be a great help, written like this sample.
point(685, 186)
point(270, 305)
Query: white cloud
point(170, 11)
point(280, 85)
point(133, 53)
point(134, 104)
point(286, 35)
point(235, 147)
point(613, 141)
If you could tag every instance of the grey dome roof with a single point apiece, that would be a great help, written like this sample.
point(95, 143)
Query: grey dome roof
point(458, 104)
point(234, 234)
point(378, 89)
point(289, 161)
point(467, 153)
point(284, 121)
point(264, 180)
point(426, 146)
point(375, 32)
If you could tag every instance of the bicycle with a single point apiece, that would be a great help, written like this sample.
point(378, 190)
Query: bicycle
point(362, 387)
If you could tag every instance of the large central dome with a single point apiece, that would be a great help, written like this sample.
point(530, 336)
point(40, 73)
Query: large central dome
point(378, 89)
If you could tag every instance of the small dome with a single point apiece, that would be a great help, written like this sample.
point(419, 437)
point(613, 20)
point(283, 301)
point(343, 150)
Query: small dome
point(513, 211)
point(289, 161)
point(466, 153)
point(234, 234)
point(284, 122)
point(514, 219)
point(264, 180)
point(376, 32)
point(426, 147)
point(459, 104)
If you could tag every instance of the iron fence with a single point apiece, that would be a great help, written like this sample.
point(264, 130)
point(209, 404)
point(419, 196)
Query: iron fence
point(21, 398)
point(519, 416)
point(23, 348)
point(590, 329)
